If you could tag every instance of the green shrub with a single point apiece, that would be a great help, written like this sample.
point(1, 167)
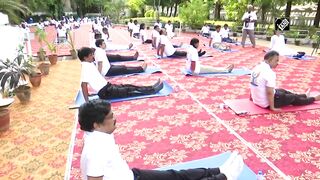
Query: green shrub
point(194, 13)
point(150, 13)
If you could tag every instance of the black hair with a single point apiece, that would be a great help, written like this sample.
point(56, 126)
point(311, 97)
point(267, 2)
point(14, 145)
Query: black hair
point(142, 26)
point(104, 29)
point(93, 112)
point(218, 27)
point(270, 55)
point(130, 20)
point(84, 52)
point(155, 27)
point(194, 41)
point(99, 42)
point(169, 21)
point(225, 25)
point(161, 32)
point(135, 21)
point(97, 35)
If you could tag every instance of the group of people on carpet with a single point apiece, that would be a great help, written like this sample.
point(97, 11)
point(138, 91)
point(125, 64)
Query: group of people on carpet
point(101, 159)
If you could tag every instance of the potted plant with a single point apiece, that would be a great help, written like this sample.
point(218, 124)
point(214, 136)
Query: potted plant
point(71, 42)
point(53, 57)
point(12, 76)
point(315, 41)
point(41, 34)
point(5, 102)
point(34, 77)
point(234, 31)
point(269, 34)
point(296, 36)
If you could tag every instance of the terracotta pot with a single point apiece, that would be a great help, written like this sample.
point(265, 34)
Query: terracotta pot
point(23, 93)
point(41, 56)
point(35, 79)
point(44, 68)
point(74, 54)
point(4, 119)
point(53, 58)
point(297, 42)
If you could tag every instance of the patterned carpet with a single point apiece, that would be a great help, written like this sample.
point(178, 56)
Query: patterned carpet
point(160, 131)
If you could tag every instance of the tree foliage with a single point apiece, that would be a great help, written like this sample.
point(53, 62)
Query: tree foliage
point(114, 9)
point(194, 12)
point(14, 9)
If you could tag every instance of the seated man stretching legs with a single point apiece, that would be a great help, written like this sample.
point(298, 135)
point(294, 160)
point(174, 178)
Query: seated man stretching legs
point(91, 76)
point(166, 47)
point(263, 87)
point(193, 63)
point(106, 69)
point(101, 158)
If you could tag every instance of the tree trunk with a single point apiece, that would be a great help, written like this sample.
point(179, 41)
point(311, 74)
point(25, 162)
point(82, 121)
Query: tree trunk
point(167, 11)
point(171, 10)
point(252, 1)
point(175, 9)
point(317, 18)
point(263, 15)
point(288, 8)
point(162, 10)
point(217, 10)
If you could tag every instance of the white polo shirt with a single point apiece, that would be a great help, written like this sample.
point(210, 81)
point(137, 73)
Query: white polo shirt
point(253, 16)
point(262, 76)
point(155, 34)
point(130, 25)
point(101, 56)
point(224, 32)
point(91, 75)
point(169, 27)
point(135, 28)
point(192, 55)
point(205, 29)
point(158, 24)
point(144, 34)
point(168, 49)
point(101, 157)
point(216, 37)
point(62, 32)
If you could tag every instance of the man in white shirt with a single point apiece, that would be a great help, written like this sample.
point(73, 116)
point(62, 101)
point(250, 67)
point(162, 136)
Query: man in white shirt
point(106, 69)
point(135, 29)
point(143, 35)
point(61, 34)
point(130, 24)
point(155, 37)
point(205, 30)
point(158, 23)
point(193, 64)
point(249, 18)
point(105, 90)
point(263, 90)
point(169, 29)
point(166, 48)
point(101, 158)
point(278, 44)
point(216, 40)
point(225, 34)
point(112, 46)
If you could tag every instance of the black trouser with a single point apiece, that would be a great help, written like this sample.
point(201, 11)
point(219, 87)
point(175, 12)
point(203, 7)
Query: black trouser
point(190, 174)
point(111, 91)
point(117, 58)
point(136, 35)
point(148, 41)
point(206, 35)
point(284, 98)
point(179, 54)
point(121, 69)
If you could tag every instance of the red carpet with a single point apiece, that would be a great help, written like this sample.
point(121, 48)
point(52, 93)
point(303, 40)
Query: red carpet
point(167, 130)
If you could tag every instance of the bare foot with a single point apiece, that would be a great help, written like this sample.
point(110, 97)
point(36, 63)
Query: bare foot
point(144, 66)
point(136, 55)
point(230, 68)
point(317, 97)
point(181, 44)
point(130, 45)
point(308, 92)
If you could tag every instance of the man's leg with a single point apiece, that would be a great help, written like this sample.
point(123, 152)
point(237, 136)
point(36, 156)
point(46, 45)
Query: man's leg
point(244, 37)
point(148, 41)
point(252, 37)
point(190, 174)
point(117, 57)
point(283, 98)
point(121, 69)
point(179, 54)
point(209, 69)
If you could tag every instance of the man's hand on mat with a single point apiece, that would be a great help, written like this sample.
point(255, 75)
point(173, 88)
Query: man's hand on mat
point(275, 109)
point(136, 55)
point(230, 68)
point(130, 45)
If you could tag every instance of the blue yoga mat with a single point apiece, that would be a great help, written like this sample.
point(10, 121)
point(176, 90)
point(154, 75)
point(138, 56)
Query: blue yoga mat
point(303, 58)
point(165, 91)
point(149, 70)
point(212, 162)
point(230, 51)
point(234, 72)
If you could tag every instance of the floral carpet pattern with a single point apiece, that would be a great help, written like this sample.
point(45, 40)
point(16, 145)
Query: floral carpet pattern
point(186, 125)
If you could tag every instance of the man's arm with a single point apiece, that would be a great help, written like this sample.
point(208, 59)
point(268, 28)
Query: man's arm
point(270, 96)
point(161, 49)
point(95, 178)
point(84, 88)
point(193, 66)
point(100, 66)
point(210, 42)
point(142, 38)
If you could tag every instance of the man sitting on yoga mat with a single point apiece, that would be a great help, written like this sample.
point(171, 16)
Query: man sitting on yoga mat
point(155, 36)
point(193, 63)
point(91, 76)
point(106, 69)
point(102, 160)
point(166, 47)
point(143, 35)
point(109, 47)
point(216, 40)
point(263, 87)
